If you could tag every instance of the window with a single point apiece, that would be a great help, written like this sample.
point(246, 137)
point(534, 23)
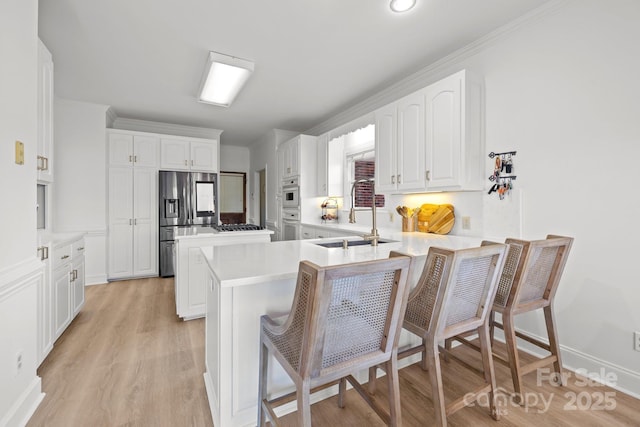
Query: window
point(363, 166)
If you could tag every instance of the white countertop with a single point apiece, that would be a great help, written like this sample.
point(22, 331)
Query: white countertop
point(248, 264)
point(57, 239)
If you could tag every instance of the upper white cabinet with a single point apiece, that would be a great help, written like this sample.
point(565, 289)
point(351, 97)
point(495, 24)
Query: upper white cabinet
point(400, 146)
point(330, 166)
point(454, 130)
point(431, 140)
point(127, 149)
point(289, 153)
point(189, 154)
point(45, 114)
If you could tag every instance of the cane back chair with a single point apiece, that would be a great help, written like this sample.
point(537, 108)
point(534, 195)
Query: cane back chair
point(344, 319)
point(454, 295)
point(529, 282)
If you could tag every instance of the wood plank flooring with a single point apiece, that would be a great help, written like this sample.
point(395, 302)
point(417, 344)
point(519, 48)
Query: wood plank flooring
point(127, 360)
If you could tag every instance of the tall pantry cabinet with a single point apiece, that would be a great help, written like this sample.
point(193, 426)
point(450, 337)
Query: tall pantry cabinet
point(133, 216)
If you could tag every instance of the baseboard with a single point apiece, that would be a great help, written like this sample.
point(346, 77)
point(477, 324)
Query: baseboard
point(100, 279)
point(617, 377)
point(22, 410)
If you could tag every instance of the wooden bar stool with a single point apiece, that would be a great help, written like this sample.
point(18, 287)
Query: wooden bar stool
point(344, 319)
point(529, 282)
point(454, 295)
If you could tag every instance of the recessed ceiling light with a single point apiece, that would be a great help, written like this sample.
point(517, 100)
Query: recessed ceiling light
point(223, 78)
point(402, 5)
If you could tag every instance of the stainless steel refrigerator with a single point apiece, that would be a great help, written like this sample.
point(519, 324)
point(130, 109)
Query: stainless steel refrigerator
point(186, 199)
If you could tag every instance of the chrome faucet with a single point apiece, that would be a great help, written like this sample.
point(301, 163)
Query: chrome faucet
point(374, 236)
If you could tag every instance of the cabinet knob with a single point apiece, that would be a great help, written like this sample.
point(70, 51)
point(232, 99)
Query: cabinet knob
point(393, 179)
point(427, 175)
point(399, 180)
point(186, 163)
point(64, 257)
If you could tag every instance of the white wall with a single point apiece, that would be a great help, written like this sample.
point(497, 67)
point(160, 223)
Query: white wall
point(20, 272)
point(562, 89)
point(263, 156)
point(79, 190)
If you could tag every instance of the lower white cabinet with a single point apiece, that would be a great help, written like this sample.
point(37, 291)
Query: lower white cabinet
point(133, 222)
point(191, 273)
point(61, 294)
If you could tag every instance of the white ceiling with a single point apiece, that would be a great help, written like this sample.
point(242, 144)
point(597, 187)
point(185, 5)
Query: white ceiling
point(313, 58)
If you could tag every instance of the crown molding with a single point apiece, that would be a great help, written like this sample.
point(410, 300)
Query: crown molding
point(436, 71)
point(165, 128)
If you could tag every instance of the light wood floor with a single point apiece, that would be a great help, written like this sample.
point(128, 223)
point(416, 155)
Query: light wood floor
point(127, 360)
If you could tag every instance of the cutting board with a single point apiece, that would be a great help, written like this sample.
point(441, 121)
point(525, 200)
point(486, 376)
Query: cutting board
point(437, 219)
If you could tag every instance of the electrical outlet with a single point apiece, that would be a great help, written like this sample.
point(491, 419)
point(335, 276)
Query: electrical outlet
point(18, 362)
point(466, 222)
point(636, 341)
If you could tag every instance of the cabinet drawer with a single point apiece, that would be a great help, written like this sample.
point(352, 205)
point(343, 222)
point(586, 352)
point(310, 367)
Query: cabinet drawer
point(77, 248)
point(61, 256)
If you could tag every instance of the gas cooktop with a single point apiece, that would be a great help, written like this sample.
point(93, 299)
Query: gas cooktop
point(237, 227)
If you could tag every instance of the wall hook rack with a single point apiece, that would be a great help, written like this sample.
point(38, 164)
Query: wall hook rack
point(492, 154)
point(498, 176)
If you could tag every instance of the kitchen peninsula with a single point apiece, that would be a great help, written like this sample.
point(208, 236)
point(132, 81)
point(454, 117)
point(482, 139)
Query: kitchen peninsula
point(190, 268)
point(248, 280)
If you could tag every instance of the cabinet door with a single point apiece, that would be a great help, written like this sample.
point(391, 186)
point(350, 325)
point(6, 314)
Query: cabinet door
point(307, 232)
point(120, 149)
point(145, 229)
point(204, 156)
point(78, 284)
point(120, 222)
point(322, 166)
point(174, 154)
point(294, 157)
point(444, 132)
point(411, 149)
point(145, 150)
point(198, 272)
point(281, 166)
point(45, 114)
point(61, 300)
point(386, 134)
point(45, 325)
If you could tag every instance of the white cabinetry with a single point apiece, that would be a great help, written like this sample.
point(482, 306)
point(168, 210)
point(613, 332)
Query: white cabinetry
point(45, 114)
point(330, 168)
point(126, 149)
point(63, 291)
point(133, 216)
point(400, 149)
point(133, 225)
point(45, 305)
point(192, 271)
point(189, 154)
point(77, 267)
point(290, 155)
point(431, 140)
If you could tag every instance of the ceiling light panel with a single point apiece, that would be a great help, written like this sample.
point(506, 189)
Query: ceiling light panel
point(223, 78)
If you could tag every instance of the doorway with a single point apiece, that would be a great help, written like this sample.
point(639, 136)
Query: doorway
point(233, 197)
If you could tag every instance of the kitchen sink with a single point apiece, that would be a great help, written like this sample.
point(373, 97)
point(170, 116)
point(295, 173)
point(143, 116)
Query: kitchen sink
point(338, 244)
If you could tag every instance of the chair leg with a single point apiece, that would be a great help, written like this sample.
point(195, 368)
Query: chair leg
point(489, 372)
point(262, 383)
point(372, 380)
point(342, 386)
point(512, 351)
point(425, 364)
point(394, 391)
point(304, 404)
point(447, 347)
point(492, 326)
point(435, 377)
point(554, 345)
